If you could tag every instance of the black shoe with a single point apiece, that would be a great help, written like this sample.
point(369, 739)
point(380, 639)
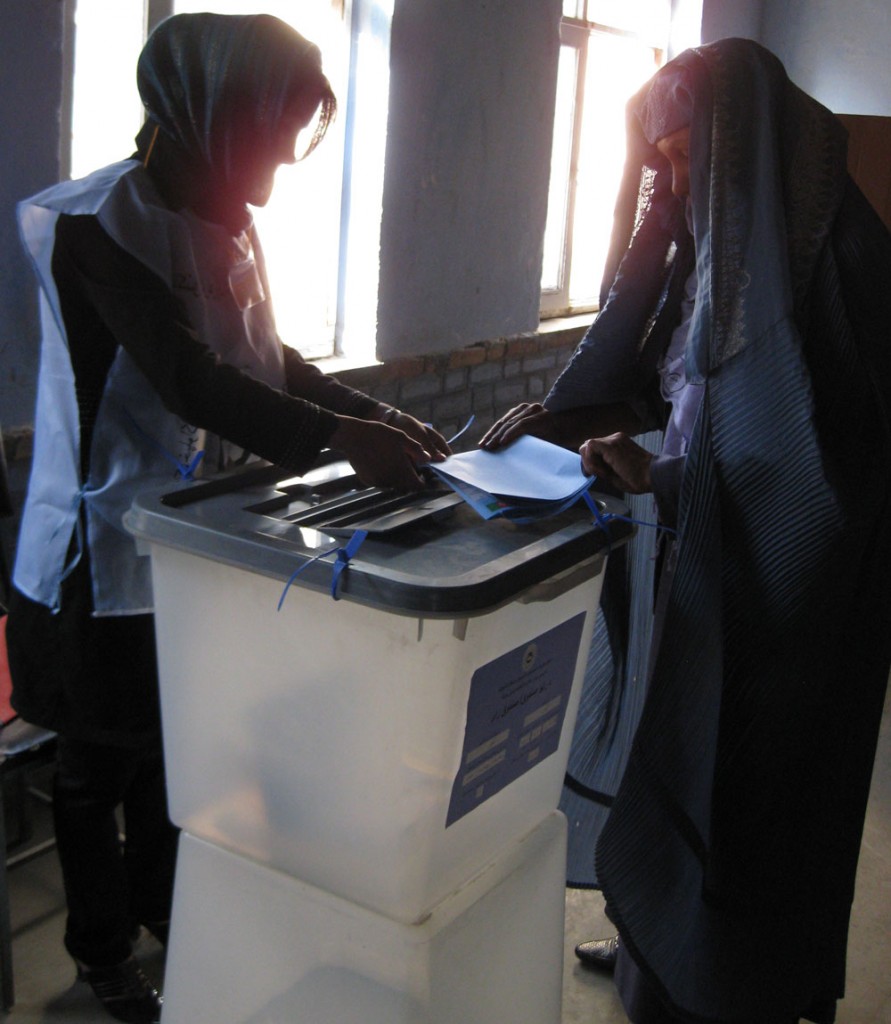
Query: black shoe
point(124, 991)
point(600, 953)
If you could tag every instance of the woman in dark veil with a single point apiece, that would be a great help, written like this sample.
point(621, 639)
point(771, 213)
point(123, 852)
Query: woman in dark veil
point(159, 358)
point(729, 855)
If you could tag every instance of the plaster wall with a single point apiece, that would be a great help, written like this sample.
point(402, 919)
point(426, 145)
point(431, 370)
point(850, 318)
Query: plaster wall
point(465, 189)
point(722, 19)
point(837, 52)
point(31, 60)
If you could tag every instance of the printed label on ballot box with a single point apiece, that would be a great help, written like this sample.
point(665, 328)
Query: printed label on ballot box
point(515, 714)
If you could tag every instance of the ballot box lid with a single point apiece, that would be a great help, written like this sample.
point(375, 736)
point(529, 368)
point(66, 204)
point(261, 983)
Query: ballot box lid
point(428, 554)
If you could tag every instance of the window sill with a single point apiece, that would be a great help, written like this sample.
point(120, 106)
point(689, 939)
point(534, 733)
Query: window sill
point(551, 325)
point(337, 364)
point(546, 327)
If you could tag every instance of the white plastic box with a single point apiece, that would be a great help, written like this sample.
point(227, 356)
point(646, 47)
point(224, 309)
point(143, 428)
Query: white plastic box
point(387, 745)
point(325, 739)
point(250, 945)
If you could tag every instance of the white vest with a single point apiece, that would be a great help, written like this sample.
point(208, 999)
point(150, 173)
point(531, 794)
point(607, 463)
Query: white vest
point(137, 444)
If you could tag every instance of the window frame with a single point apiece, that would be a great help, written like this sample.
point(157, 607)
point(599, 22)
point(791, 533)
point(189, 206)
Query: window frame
point(575, 34)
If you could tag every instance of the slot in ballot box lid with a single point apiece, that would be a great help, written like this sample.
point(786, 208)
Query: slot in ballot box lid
point(426, 553)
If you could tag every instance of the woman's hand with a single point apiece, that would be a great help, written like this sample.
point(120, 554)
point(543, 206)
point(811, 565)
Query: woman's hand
point(618, 460)
point(382, 456)
point(423, 433)
point(527, 418)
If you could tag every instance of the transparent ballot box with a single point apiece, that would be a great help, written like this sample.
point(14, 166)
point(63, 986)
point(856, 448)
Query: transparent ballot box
point(249, 944)
point(384, 745)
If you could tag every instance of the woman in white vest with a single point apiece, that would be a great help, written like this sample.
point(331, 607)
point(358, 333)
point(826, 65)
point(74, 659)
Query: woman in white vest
point(159, 351)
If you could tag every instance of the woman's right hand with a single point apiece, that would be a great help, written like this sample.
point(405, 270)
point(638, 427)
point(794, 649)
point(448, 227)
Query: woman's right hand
point(382, 456)
point(527, 418)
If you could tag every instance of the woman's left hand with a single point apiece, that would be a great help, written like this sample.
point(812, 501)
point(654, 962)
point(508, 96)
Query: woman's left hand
point(423, 433)
point(620, 461)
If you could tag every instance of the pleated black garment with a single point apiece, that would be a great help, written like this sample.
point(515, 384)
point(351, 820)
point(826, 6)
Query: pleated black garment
point(614, 689)
point(729, 856)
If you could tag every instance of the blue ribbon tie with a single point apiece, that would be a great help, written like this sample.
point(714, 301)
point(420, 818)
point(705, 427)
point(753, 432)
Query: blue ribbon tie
point(342, 560)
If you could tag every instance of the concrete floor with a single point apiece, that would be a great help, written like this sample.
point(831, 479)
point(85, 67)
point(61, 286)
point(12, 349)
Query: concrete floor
point(46, 991)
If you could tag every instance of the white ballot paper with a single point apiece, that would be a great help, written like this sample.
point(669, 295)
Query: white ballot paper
point(529, 469)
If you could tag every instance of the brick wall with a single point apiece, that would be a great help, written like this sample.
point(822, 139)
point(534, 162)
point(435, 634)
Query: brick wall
point(483, 380)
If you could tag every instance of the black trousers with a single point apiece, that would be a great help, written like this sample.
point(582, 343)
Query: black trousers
point(112, 885)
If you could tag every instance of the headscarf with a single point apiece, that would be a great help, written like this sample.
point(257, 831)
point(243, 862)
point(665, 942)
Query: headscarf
point(667, 104)
point(215, 86)
point(768, 174)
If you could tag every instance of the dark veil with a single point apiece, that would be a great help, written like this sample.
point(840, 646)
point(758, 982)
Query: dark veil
point(740, 812)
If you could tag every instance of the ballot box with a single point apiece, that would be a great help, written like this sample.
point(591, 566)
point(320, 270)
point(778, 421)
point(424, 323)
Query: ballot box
point(384, 744)
point(253, 945)
point(381, 716)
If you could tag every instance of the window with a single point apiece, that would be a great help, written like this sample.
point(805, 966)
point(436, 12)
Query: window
point(608, 49)
point(320, 233)
point(106, 112)
point(301, 228)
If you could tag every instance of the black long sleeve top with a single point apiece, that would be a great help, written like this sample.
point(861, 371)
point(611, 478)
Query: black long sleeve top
point(109, 299)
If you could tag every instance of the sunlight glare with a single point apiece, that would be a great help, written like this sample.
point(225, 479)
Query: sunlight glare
point(298, 229)
point(617, 67)
point(107, 112)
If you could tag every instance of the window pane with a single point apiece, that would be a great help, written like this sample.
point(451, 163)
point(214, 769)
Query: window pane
point(617, 66)
point(106, 111)
point(558, 193)
point(647, 18)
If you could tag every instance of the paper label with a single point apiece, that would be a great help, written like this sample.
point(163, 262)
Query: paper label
point(515, 713)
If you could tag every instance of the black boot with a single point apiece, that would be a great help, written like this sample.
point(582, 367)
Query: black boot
point(124, 991)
